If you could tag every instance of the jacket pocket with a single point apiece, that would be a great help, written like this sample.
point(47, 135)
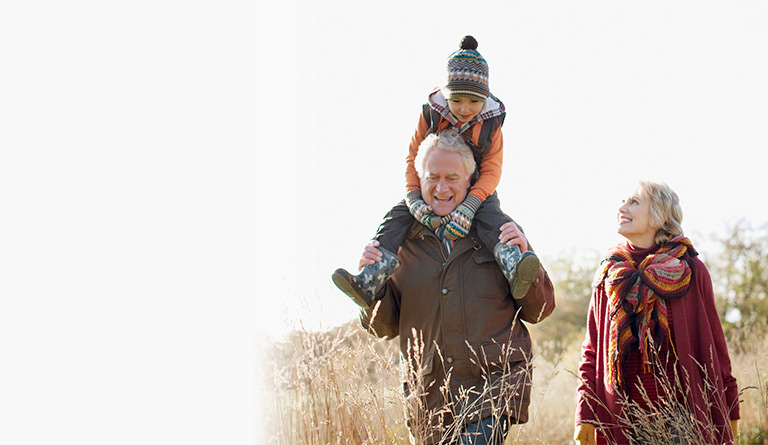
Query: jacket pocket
point(496, 357)
point(486, 277)
point(416, 372)
point(483, 255)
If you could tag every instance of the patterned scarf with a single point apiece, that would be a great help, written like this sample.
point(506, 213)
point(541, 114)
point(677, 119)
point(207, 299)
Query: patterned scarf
point(636, 298)
point(447, 242)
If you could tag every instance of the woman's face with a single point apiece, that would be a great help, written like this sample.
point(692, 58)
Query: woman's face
point(635, 221)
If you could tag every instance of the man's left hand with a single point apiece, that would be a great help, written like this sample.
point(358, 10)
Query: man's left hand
point(511, 235)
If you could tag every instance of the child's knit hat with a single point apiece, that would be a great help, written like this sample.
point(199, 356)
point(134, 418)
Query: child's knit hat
point(467, 72)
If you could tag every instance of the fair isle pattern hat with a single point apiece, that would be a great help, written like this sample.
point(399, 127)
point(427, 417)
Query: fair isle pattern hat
point(467, 72)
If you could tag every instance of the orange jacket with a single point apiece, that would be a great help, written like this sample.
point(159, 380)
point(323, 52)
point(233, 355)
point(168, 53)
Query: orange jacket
point(490, 165)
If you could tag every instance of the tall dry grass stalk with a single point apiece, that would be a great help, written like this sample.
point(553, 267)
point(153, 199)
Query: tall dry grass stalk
point(336, 387)
point(677, 422)
point(503, 384)
point(344, 386)
point(750, 367)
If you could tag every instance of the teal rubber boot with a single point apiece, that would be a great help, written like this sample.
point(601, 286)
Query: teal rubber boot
point(365, 286)
point(519, 268)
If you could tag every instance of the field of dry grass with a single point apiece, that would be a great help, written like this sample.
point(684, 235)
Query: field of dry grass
point(344, 386)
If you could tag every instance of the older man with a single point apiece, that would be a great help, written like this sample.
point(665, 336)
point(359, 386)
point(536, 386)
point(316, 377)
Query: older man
point(468, 373)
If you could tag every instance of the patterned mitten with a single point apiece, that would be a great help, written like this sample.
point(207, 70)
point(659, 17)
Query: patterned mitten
point(461, 218)
point(420, 210)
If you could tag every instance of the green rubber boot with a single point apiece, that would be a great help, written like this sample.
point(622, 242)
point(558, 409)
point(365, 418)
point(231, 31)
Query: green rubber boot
point(363, 287)
point(519, 268)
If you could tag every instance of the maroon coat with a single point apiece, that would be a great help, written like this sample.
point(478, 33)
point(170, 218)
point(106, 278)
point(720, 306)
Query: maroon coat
point(698, 340)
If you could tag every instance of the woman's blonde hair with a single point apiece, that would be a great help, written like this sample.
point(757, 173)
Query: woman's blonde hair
point(666, 212)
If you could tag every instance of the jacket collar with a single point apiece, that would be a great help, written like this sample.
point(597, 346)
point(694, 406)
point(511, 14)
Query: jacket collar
point(420, 231)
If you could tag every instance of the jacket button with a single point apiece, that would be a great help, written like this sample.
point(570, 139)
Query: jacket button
point(444, 291)
point(536, 281)
point(449, 360)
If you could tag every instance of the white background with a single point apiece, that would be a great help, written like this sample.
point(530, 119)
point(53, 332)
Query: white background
point(179, 179)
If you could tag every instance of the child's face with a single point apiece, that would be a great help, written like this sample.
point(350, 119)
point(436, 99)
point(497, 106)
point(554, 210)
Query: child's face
point(465, 108)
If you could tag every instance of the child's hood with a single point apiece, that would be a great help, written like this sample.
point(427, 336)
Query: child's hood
point(491, 108)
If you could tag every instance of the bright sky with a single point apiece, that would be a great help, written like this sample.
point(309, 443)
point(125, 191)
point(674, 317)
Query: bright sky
point(179, 179)
point(598, 96)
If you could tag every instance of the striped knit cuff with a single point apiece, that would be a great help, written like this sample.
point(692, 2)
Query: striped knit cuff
point(412, 196)
point(472, 202)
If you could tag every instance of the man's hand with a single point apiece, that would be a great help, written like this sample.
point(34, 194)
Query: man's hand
point(584, 434)
point(370, 254)
point(511, 235)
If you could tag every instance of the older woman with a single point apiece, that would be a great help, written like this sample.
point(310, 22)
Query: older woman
point(654, 364)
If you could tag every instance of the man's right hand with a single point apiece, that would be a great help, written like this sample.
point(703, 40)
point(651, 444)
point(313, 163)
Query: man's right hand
point(370, 254)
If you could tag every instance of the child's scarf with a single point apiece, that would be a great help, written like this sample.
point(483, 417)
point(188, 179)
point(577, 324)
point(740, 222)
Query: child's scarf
point(636, 312)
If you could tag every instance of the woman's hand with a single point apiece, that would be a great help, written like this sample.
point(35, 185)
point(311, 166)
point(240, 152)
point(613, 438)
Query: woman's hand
point(511, 235)
point(584, 434)
point(370, 254)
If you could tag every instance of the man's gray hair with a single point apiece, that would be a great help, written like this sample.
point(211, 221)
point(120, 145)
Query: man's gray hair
point(448, 140)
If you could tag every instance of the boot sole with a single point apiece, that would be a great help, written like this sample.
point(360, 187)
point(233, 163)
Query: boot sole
point(527, 270)
point(343, 280)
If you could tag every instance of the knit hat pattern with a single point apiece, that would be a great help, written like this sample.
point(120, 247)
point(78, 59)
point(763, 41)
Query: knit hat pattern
point(467, 72)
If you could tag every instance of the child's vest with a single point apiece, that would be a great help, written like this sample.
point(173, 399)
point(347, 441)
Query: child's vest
point(433, 118)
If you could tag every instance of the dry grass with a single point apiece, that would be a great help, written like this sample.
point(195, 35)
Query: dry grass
point(337, 387)
point(750, 367)
point(346, 387)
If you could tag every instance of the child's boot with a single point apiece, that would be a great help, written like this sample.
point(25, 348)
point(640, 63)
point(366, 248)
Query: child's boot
point(365, 286)
point(520, 268)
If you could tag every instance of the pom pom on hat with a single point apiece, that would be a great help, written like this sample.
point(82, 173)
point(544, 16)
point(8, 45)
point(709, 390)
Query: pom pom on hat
point(468, 42)
point(467, 72)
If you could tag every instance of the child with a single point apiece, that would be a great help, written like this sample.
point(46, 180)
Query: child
point(465, 104)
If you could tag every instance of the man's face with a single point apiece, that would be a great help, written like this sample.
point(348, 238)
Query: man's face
point(445, 181)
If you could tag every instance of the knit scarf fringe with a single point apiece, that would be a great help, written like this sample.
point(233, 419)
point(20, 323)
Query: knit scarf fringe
point(636, 293)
